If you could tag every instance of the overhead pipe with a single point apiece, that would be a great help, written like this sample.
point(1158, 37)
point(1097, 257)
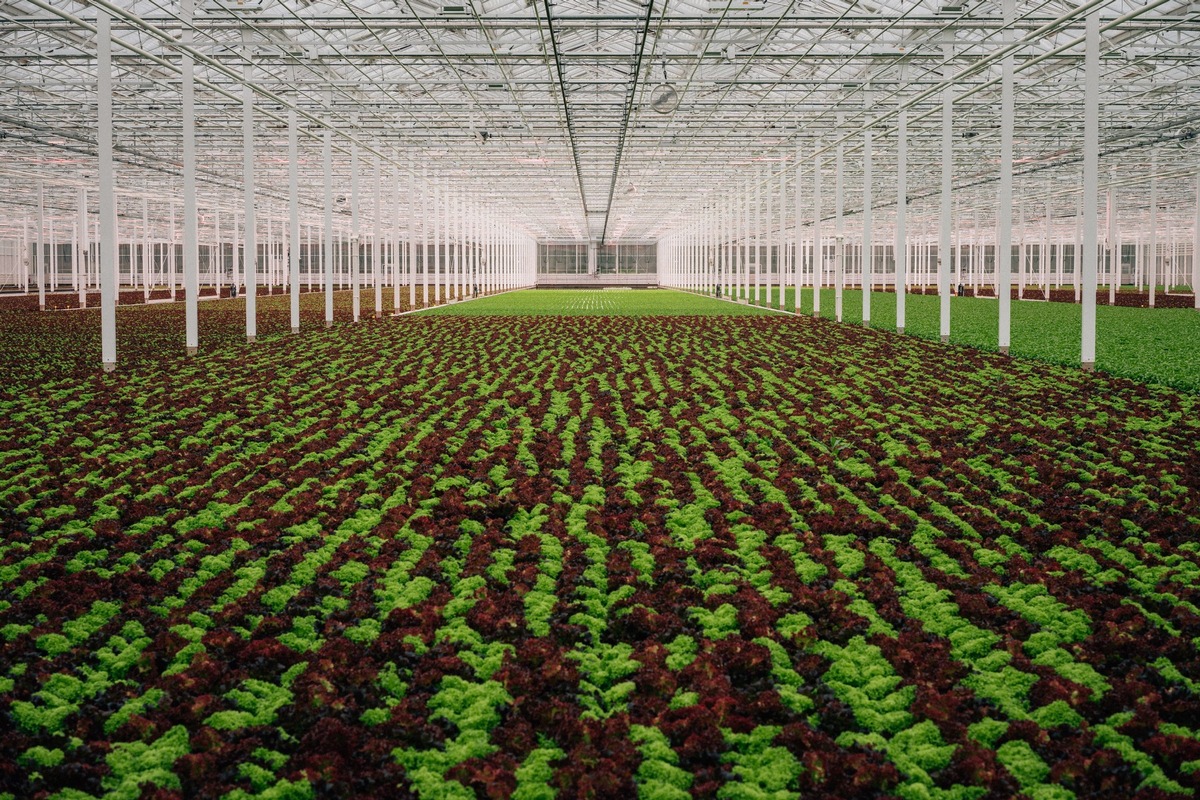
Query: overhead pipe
point(991, 59)
point(199, 57)
point(630, 96)
point(562, 89)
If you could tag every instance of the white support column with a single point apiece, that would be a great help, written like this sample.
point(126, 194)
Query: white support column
point(1152, 262)
point(172, 262)
point(23, 259)
point(294, 213)
point(746, 243)
point(251, 255)
point(901, 243)
point(274, 245)
point(767, 237)
point(868, 243)
point(460, 249)
point(947, 223)
point(782, 260)
point(39, 257)
point(1077, 260)
point(83, 248)
point(339, 257)
point(279, 247)
point(975, 250)
point(707, 254)
point(1172, 263)
point(1114, 241)
point(327, 232)
point(377, 242)
point(219, 271)
point(108, 200)
point(470, 245)
point(1004, 198)
point(1044, 256)
point(52, 257)
point(447, 250)
point(426, 214)
point(191, 248)
point(729, 247)
point(441, 249)
point(75, 255)
point(235, 255)
point(488, 256)
point(355, 255)
point(818, 256)
point(797, 280)
point(1091, 169)
point(266, 266)
point(1195, 248)
point(716, 248)
point(839, 233)
point(447, 270)
point(395, 234)
point(454, 244)
point(412, 234)
point(145, 259)
point(757, 237)
point(1139, 261)
point(480, 231)
point(1021, 250)
point(94, 263)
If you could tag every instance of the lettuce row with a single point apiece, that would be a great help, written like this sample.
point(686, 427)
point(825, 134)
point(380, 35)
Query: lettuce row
point(605, 668)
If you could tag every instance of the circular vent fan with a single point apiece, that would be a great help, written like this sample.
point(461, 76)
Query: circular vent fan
point(664, 99)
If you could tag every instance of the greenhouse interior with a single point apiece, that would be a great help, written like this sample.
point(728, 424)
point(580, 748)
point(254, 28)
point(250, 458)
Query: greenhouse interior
point(656, 399)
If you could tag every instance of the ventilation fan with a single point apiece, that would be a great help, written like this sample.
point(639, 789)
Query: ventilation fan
point(664, 99)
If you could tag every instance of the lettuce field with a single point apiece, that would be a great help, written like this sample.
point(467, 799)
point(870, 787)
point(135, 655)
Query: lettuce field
point(610, 547)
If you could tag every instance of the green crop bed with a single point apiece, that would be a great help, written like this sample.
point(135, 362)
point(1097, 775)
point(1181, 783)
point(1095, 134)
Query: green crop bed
point(597, 302)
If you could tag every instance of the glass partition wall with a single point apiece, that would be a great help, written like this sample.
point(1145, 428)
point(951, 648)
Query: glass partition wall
point(614, 258)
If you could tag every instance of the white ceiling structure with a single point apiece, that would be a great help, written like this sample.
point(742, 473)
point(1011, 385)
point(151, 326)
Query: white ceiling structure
point(543, 109)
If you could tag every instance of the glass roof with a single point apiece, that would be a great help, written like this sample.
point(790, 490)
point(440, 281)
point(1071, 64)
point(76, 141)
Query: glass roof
point(586, 119)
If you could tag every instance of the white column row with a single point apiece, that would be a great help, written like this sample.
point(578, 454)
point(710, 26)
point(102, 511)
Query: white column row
point(714, 249)
point(473, 251)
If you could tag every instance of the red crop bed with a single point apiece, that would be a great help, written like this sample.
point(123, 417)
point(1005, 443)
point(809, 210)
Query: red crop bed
point(1124, 298)
point(730, 557)
point(130, 297)
point(65, 344)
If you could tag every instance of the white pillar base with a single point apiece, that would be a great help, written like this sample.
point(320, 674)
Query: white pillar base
point(251, 339)
point(191, 351)
point(295, 330)
point(1003, 351)
point(328, 323)
point(900, 330)
point(1089, 366)
point(945, 340)
point(110, 366)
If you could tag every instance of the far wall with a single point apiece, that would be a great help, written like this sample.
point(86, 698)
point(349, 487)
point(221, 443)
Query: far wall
point(617, 258)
